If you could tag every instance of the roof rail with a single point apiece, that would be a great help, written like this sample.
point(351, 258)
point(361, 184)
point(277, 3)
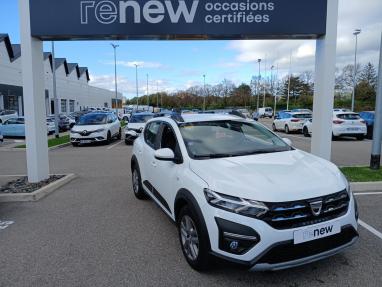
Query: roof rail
point(177, 116)
point(238, 114)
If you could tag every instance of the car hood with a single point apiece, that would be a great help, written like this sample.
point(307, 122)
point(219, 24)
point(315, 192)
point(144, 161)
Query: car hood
point(136, 126)
point(275, 177)
point(89, 128)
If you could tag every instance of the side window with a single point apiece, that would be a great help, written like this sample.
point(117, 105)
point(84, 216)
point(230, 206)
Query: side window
point(151, 133)
point(168, 139)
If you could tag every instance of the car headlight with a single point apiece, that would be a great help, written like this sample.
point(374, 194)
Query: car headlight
point(98, 131)
point(345, 180)
point(246, 207)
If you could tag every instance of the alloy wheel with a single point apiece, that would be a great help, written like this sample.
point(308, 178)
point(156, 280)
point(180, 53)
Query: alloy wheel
point(135, 181)
point(190, 238)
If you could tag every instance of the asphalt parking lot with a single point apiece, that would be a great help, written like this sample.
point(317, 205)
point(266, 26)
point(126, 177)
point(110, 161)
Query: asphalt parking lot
point(93, 232)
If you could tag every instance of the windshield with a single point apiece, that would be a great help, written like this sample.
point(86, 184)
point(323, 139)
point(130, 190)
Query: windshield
point(349, 117)
point(229, 138)
point(302, 116)
point(92, 119)
point(136, 119)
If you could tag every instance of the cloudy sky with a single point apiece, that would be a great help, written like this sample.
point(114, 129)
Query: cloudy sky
point(174, 65)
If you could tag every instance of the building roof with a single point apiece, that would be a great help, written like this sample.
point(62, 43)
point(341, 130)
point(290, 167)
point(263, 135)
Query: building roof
point(14, 52)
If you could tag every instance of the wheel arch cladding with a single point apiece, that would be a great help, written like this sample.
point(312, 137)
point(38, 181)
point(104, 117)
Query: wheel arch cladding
point(184, 197)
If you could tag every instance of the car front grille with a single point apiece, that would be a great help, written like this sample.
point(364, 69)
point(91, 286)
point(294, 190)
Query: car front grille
point(294, 214)
point(288, 251)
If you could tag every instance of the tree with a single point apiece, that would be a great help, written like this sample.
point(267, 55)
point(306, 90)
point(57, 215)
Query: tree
point(369, 75)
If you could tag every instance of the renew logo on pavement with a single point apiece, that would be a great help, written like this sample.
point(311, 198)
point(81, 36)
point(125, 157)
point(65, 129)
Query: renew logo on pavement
point(5, 224)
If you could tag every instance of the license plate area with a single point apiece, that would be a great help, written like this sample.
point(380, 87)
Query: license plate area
point(316, 232)
point(85, 141)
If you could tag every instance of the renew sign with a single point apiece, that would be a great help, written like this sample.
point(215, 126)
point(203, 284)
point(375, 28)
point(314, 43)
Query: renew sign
point(178, 19)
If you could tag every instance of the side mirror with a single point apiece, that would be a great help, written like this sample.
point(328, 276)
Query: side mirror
point(164, 154)
point(287, 141)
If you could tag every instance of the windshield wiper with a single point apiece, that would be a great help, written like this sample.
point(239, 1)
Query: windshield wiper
point(214, 155)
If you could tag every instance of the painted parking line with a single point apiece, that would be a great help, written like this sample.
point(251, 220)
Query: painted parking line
point(5, 224)
point(370, 228)
point(114, 145)
point(369, 193)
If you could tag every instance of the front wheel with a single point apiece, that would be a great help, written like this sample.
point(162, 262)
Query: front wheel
point(108, 139)
point(274, 127)
point(193, 239)
point(137, 183)
point(119, 136)
point(305, 131)
point(287, 131)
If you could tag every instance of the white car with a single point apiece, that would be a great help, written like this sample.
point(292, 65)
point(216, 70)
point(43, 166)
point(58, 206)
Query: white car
point(136, 125)
point(50, 125)
point(290, 122)
point(229, 184)
point(96, 127)
point(7, 114)
point(265, 112)
point(347, 124)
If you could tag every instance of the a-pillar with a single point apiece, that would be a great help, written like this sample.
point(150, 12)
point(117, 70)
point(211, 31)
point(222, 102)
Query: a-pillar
point(323, 101)
point(34, 98)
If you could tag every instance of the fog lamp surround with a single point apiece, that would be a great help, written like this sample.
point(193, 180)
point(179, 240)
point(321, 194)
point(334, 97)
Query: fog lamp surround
point(246, 207)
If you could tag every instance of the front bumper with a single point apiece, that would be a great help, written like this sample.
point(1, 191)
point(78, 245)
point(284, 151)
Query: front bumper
point(131, 135)
point(89, 138)
point(276, 249)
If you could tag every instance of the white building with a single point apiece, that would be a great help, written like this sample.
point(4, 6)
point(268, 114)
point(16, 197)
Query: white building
point(73, 90)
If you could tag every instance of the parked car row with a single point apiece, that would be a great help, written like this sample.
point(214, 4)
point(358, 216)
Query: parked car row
point(344, 123)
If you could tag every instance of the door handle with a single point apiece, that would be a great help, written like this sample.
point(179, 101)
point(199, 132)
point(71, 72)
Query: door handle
point(154, 163)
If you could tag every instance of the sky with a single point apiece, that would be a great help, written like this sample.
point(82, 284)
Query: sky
point(177, 65)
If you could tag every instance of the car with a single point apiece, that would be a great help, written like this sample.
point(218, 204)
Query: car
point(96, 127)
point(347, 124)
point(265, 112)
point(277, 115)
point(1, 136)
point(15, 127)
point(63, 122)
point(290, 122)
point(229, 184)
point(244, 112)
point(255, 116)
point(302, 111)
point(7, 114)
point(343, 110)
point(51, 125)
point(368, 117)
point(135, 126)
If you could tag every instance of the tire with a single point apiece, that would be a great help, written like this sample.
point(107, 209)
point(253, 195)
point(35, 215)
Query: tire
point(360, 137)
point(274, 128)
point(287, 131)
point(108, 139)
point(194, 240)
point(137, 183)
point(305, 131)
point(75, 144)
point(119, 136)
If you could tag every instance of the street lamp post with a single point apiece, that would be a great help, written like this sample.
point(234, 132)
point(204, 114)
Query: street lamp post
point(275, 102)
point(290, 70)
point(356, 33)
point(55, 100)
point(115, 77)
point(258, 86)
point(148, 98)
point(204, 92)
point(136, 82)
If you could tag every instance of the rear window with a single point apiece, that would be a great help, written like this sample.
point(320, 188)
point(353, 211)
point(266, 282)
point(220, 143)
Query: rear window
point(302, 116)
point(348, 116)
point(136, 119)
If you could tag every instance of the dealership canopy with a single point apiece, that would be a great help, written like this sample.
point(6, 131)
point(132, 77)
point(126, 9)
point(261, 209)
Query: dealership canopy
point(177, 19)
